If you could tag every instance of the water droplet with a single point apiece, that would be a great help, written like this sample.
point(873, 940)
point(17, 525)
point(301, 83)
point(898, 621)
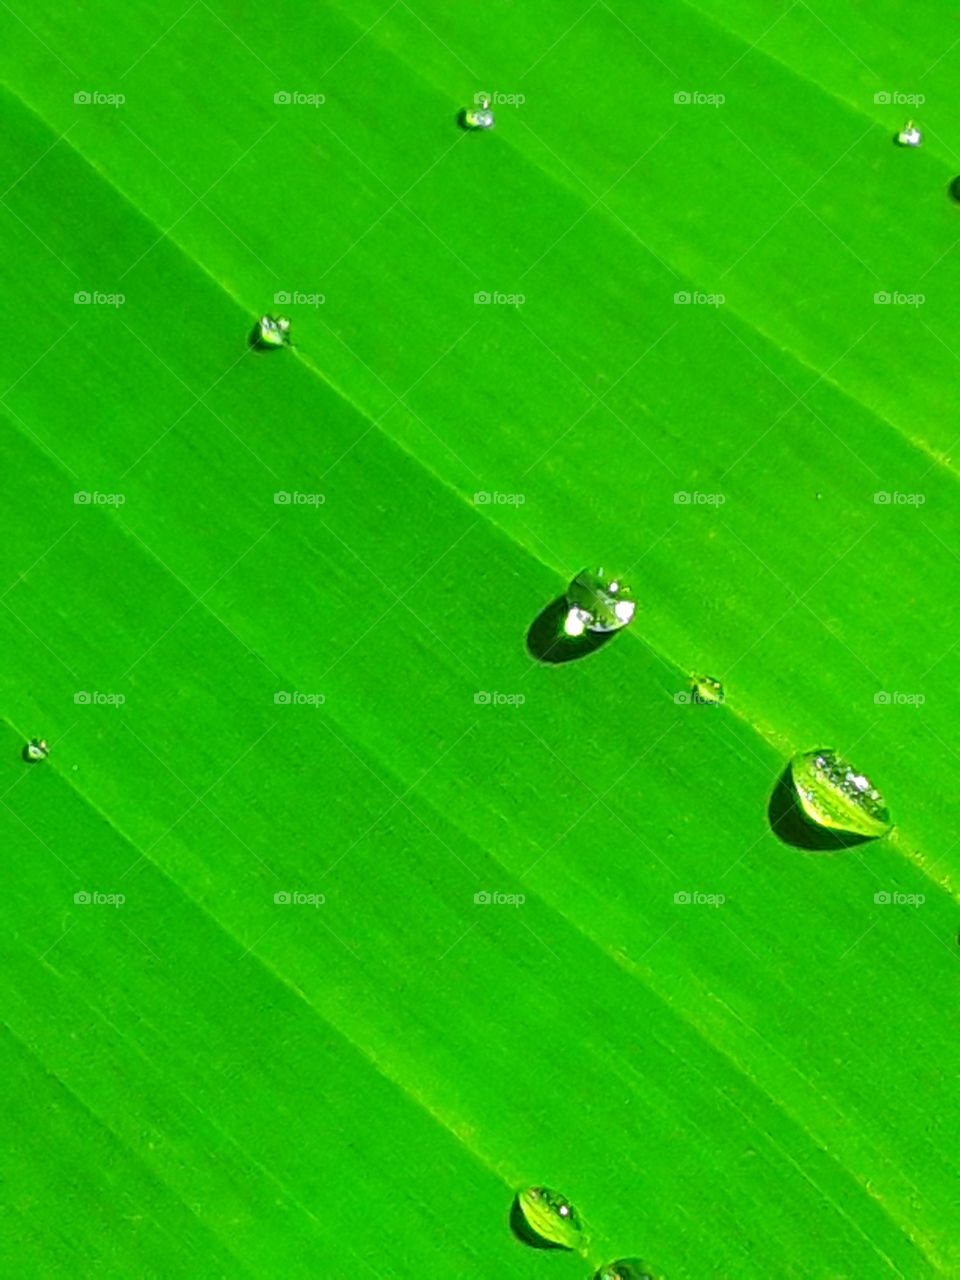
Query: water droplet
point(479, 116)
point(909, 135)
point(36, 749)
point(833, 795)
point(707, 690)
point(273, 331)
point(623, 1269)
point(551, 1218)
point(597, 601)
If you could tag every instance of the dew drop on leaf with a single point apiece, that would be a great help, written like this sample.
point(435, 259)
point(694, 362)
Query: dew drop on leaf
point(597, 601)
point(833, 794)
point(551, 1217)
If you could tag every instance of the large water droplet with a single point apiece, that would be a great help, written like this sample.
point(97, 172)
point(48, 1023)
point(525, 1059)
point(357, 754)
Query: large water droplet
point(36, 749)
point(623, 1269)
point(834, 795)
point(598, 601)
point(551, 1218)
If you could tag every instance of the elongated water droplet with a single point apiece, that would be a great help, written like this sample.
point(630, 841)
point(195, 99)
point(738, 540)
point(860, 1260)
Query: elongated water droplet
point(598, 601)
point(834, 795)
point(36, 749)
point(623, 1269)
point(551, 1218)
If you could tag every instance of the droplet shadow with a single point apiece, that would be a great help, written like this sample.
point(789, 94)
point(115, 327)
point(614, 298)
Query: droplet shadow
point(954, 190)
point(523, 1231)
point(791, 825)
point(548, 642)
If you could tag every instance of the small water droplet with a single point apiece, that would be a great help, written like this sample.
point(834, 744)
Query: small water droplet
point(833, 795)
point(551, 1218)
point(273, 331)
point(707, 690)
point(909, 135)
point(36, 749)
point(598, 602)
point(623, 1269)
point(479, 116)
